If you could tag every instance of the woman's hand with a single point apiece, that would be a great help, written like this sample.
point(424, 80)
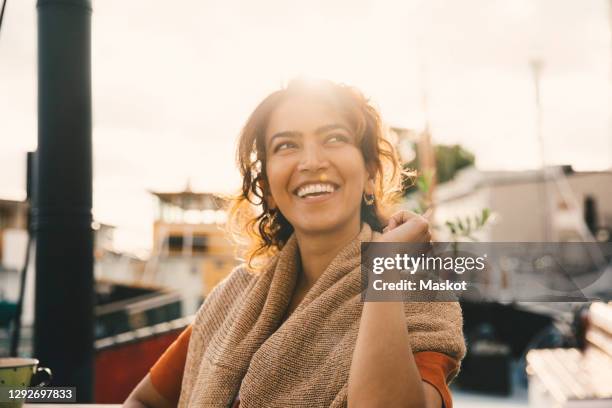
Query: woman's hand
point(408, 227)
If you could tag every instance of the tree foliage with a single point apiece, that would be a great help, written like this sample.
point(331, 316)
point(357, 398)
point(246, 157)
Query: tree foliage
point(449, 160)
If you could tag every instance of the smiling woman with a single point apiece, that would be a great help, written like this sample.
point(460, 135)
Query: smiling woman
point(288, 328)
point(327, 132)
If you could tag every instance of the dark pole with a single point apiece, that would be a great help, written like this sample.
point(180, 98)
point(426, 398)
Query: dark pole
point(63, 327)
point(16, 335)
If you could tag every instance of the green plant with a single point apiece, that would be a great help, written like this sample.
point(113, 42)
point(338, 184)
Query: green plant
point(423, 184)
point(449, 160)
point(466, 226)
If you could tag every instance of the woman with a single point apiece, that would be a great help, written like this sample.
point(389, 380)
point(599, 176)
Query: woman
point(288, 329)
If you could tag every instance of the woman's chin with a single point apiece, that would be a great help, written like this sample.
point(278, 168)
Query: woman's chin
point(321, 226)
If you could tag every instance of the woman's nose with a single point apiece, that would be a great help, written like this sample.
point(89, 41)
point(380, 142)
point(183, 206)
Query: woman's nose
point(313, 158)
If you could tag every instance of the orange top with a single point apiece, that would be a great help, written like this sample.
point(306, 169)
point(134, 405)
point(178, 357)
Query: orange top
point(167, 373)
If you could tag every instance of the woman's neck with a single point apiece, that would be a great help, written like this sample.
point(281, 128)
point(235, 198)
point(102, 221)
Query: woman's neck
point(319, 249)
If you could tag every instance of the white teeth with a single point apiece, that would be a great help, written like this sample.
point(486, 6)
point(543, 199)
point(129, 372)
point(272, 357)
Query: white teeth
point(315, 188)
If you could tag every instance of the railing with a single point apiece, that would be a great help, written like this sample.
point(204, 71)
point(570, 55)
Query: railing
point(130, 314)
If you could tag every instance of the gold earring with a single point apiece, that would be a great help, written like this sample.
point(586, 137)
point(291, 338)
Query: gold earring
point(369, 198)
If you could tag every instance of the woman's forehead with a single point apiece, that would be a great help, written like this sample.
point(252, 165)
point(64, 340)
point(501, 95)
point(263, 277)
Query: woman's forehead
point(304, 114)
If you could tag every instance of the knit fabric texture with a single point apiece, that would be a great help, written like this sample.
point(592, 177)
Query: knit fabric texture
point(238, 344)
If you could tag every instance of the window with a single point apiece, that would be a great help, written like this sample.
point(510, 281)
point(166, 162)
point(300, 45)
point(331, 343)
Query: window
point(175, 243)
point(200, 244)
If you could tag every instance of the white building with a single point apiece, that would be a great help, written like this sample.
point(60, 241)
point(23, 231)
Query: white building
point(531, 206)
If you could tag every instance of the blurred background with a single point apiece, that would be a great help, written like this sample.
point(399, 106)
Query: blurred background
point(503, 106)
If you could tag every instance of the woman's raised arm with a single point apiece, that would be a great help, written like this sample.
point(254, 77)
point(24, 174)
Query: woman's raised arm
point(383, 371)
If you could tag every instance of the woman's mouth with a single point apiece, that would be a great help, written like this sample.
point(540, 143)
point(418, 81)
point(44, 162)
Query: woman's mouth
point(316, 190)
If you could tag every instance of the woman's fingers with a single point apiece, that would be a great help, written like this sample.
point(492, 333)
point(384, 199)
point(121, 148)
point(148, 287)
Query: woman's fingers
point(426, 237)
point(392, 222)
point(406, 226)
point(399, 218)
point(396, 219)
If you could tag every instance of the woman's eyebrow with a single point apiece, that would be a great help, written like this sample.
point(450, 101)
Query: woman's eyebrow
point(287, 133)
point(333, 126)
point(318, 131)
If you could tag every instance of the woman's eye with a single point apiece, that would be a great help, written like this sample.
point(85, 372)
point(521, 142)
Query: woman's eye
point(283, 146)
point(337, 138)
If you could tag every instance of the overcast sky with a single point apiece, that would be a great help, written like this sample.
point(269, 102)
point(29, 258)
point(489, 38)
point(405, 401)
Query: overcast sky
point(173, 82)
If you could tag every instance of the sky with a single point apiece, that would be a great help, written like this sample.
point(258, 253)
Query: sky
point(173, 82)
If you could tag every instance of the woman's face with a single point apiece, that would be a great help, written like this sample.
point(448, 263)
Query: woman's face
point(315, 171)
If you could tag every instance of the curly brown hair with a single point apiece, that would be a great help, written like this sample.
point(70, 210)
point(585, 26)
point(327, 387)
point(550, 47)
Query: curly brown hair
point(262, 233)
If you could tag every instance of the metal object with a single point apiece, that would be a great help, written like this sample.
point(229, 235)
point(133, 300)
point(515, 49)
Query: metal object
point(62, 218)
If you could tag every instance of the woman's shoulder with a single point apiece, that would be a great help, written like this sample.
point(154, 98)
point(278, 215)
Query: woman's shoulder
point(241, 274)
point(235, 283)
point(227, 294)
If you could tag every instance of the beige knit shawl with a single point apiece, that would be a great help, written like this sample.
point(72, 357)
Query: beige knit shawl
point(237, 344)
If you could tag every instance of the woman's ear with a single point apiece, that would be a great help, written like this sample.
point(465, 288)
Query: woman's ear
point(369, 187)
point(371, 172)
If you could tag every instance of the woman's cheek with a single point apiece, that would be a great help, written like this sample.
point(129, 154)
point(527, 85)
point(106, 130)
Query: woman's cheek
point(278, 178)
